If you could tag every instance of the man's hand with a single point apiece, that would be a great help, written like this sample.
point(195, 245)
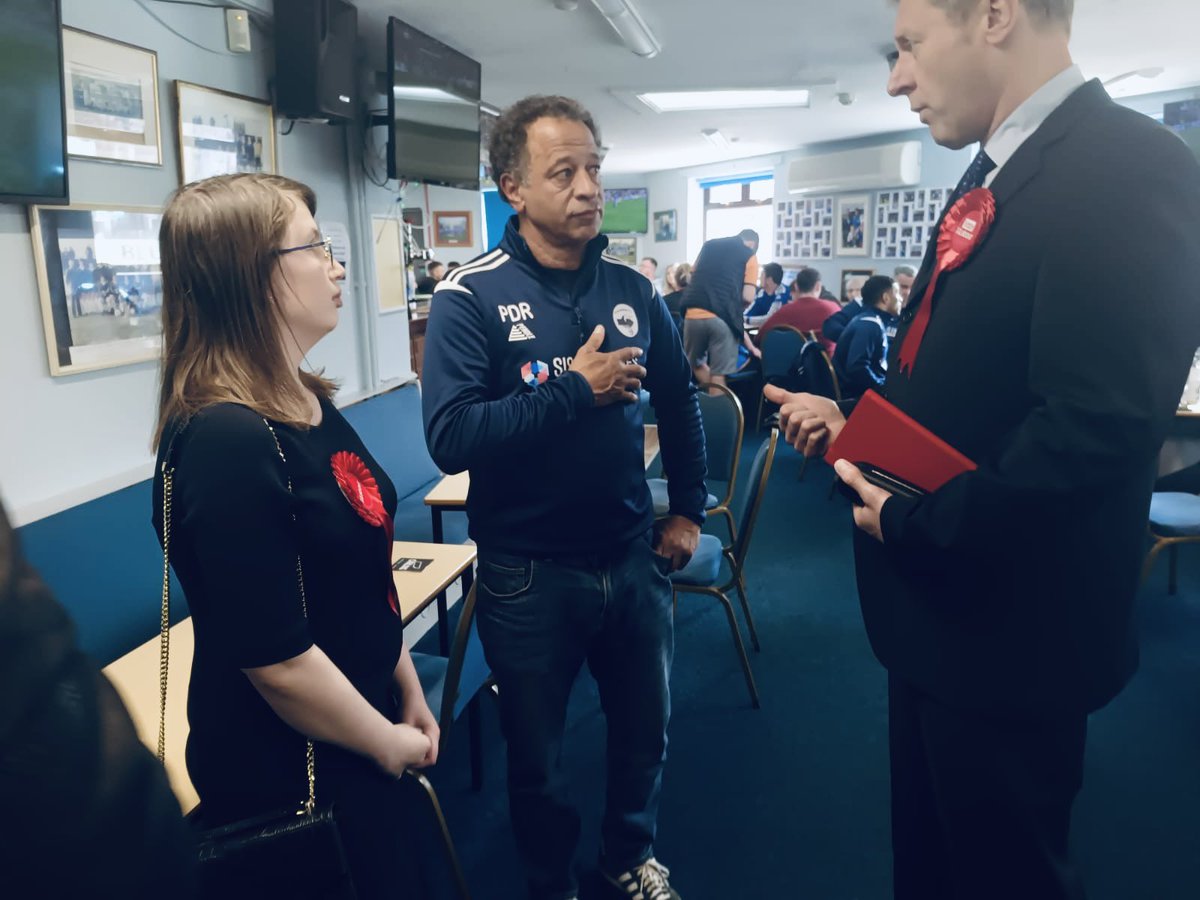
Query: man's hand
point(808, 422)
point(866, 516)
point(614, 377)
point(677, 541)
point(418, 715)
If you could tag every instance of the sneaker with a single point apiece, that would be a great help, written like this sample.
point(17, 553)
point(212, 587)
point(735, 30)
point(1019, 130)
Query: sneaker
point(645, 882)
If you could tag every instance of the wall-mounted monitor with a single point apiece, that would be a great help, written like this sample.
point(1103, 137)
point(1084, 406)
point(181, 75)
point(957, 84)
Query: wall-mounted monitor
point(433, 110)
point(33, 141)
point(1183, 118)
point(626, 211)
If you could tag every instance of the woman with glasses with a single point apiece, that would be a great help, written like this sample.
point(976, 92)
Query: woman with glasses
point(280, 530)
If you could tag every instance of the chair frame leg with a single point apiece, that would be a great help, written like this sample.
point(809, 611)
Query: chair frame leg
point(739, 585)
point(1172, 569)
point(736, 631)
point(475, 734)
point(447, 842)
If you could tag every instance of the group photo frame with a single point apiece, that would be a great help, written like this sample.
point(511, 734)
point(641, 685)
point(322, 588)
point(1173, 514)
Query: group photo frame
point(99, 284)
point(111, 98)
point(221, 133)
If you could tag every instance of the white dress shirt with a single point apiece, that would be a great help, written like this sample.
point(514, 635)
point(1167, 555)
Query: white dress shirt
point(1029, 116)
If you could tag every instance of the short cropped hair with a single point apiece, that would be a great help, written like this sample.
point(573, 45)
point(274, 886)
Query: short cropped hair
point(806, 280)
point(876, 287)
point(774, 271)
point(905, 270)
point(651, 260)
point(508, 147)
point(1045, 11)
point(749, 234)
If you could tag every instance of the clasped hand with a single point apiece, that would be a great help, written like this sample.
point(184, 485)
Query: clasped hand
point(614, 377)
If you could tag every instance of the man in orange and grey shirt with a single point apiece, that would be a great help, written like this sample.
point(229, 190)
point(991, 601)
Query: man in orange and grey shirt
point(724, 282)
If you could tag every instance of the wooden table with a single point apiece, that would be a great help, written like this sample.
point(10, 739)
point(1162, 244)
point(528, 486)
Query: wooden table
point(450, 494)
point(417, 589)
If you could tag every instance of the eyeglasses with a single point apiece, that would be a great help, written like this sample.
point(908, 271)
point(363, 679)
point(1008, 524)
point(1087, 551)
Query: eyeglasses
point(326, 245)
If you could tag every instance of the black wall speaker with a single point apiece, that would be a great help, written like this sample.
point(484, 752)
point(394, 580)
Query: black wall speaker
point(315, 50)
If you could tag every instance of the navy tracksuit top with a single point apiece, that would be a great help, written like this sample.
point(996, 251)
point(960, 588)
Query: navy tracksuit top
point(551, 473)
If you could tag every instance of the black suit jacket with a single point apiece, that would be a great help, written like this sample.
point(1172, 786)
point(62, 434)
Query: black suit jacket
point(1055, 359)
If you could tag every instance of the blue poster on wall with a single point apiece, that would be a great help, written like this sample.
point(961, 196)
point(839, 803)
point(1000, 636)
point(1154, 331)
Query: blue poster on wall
point(495, 216)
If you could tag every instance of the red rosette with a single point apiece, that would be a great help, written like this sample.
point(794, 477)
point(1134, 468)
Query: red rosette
point(359, 487)
point(963, 229)
point(361, 490)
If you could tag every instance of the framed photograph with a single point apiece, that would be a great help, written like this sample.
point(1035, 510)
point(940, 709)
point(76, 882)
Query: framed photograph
point(222, 133)
point(452, 229)
point(100, 284)
point(852, 226)
point(665, 225)
point(111, 99)
point(624, 249)
point(852, 283)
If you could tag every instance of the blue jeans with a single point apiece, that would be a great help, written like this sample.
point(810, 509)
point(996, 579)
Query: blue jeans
point(539, 620)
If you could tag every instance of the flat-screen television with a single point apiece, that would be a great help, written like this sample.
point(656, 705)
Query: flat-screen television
point(433, 110)
point(33, 140)
point(626, 211)
point(1183, 118)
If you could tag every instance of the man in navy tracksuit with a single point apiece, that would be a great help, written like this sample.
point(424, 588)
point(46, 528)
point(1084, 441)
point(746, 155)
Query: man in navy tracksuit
point(860, 359)
point(534, 356)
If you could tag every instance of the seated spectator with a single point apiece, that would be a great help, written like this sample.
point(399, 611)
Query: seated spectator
point(836, 323)
point(860, 359)
point(451, 266)
point(681, 275)
point(905, 276)
point(434, 272)
point(770, 298)
point(649, 267)
point(806, 312)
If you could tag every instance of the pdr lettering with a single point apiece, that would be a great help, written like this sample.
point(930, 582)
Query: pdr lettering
point(515, 312)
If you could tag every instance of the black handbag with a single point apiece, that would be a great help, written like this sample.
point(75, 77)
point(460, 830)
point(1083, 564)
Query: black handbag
point(295, 853)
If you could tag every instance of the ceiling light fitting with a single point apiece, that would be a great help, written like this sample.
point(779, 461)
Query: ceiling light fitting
point(765, 98)
point(715, 137)
point(623, 16)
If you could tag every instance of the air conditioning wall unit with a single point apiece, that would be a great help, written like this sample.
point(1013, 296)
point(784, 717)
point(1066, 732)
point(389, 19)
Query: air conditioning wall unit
point(891, 165)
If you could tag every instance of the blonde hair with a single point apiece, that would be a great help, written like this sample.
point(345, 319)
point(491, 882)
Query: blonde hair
point(222, 339)
point(683, 275)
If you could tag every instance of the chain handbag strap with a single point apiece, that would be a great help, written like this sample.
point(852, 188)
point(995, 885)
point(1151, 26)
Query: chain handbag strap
point(164, 656)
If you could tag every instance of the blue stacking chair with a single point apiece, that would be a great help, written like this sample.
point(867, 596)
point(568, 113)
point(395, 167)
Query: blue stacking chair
point(702, 575)
point(1174, 520)
point(781, 348)
point(724, 424)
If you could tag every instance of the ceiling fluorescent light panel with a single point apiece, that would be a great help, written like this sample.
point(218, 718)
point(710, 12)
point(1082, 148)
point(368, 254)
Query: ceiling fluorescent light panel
point(627, 22)
point(766, 98)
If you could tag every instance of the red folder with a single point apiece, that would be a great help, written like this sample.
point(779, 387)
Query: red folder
point(894, 451)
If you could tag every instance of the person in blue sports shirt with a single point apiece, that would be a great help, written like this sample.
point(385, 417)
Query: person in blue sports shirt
point(534, 357)
point(770, 297)
point(860, 358)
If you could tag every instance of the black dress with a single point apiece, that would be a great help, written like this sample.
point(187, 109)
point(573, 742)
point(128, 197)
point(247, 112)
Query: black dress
point(236, 534)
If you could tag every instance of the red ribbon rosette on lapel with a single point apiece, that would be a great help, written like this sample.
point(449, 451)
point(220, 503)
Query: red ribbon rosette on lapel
point(962, 232)
point(361, 491)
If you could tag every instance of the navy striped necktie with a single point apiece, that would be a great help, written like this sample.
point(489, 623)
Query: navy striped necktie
point(973, 178)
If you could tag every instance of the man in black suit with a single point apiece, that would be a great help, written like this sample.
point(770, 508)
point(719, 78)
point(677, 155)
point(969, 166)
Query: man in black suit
point(1001, 603)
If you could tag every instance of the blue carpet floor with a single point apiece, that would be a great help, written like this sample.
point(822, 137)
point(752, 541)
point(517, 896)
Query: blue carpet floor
point(791, 801)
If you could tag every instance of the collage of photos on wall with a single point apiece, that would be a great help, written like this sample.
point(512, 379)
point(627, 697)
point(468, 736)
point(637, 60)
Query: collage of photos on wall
point(904, 221)
point(804, 228)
